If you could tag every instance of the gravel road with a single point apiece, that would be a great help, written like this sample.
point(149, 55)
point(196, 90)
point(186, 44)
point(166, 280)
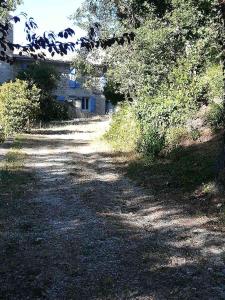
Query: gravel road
point(85, 231)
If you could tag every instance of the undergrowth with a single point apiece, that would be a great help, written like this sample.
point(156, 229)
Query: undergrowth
point(185, 169)
point(13, 174)
point(124, 132)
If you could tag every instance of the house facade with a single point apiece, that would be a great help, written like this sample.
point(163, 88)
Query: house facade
point(81, 101)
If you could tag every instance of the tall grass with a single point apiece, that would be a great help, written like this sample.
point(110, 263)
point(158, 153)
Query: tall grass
point(124, 132)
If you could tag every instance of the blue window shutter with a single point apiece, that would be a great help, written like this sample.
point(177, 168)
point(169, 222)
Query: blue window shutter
point(77, 84)
point(72, 81)
point(92, 104)
point(60, 98)
point(73, 84)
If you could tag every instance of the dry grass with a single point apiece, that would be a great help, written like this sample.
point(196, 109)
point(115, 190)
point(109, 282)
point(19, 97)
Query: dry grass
point(13, 174)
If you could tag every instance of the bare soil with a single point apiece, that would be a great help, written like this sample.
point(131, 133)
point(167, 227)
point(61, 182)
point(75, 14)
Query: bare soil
point(82, 230)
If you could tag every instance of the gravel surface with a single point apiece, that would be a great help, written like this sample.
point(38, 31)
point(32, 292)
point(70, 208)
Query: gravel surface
point(85, 231)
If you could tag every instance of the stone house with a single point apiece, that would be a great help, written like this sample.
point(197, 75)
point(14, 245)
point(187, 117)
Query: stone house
point(81, 101)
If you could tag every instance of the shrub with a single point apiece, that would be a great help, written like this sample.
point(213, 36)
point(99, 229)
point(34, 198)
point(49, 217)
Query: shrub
point(45, 78)
point(19, 106)
point(195, 134)
point(124, 131)
point(162, 122)
point(51, 109)
point(151, 143)
point(215, 116)
point(174, 136)
point(2, 136)
point(56, 110)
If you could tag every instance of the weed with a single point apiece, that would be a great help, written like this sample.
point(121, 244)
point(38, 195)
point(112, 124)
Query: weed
point(215, 116)
point(13, 177)
point(210, 188)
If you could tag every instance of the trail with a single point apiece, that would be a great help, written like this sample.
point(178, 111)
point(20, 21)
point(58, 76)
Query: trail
point(87, 232)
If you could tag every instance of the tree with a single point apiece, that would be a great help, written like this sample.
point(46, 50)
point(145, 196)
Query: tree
point(11, 5)
point(45, 77)
point(49, 41)
point(111, 93)
point(168, 70)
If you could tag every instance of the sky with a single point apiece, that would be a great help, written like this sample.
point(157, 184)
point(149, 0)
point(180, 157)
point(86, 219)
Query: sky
point(50, 15)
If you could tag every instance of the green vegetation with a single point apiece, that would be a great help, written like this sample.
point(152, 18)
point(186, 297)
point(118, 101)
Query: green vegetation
point(45, 77)
point(19, 106)
point(215, 116)
point(29, 99)
point(13, 177)
point(11, 6)
point(124, 124)
point(170, 81)
point(170, 73)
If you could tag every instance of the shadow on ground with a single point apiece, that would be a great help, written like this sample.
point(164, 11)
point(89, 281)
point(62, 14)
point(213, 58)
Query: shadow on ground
point(85, 231)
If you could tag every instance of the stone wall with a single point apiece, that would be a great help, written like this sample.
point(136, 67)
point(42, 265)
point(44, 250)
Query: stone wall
point(64, 88)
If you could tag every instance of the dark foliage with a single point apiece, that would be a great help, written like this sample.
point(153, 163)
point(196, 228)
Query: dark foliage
point(110, 92)
point(45, 77)
point(49, 40)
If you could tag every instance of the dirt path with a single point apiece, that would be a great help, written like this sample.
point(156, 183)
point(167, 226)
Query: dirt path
point(86, 232)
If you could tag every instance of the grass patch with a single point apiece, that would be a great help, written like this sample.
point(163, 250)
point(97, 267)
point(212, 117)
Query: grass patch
point(13, 174)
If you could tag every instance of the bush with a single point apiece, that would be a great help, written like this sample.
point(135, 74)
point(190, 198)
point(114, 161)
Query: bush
point(55, 110)
point(2, 136)
point(45, 78)
point(51, 109)
point(124, 132)
point(174, 136)
point(19, 106)
point(215, 116)
point(151, 143)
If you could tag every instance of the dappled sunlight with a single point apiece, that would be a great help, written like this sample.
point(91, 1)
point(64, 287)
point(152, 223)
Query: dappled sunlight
point(84, 214)
point(66, 226)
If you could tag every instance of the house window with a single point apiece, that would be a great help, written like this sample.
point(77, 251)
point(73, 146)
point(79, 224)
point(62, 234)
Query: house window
point(85, 103)
point(73, 71)
point(73, 83)
point(72, 74)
